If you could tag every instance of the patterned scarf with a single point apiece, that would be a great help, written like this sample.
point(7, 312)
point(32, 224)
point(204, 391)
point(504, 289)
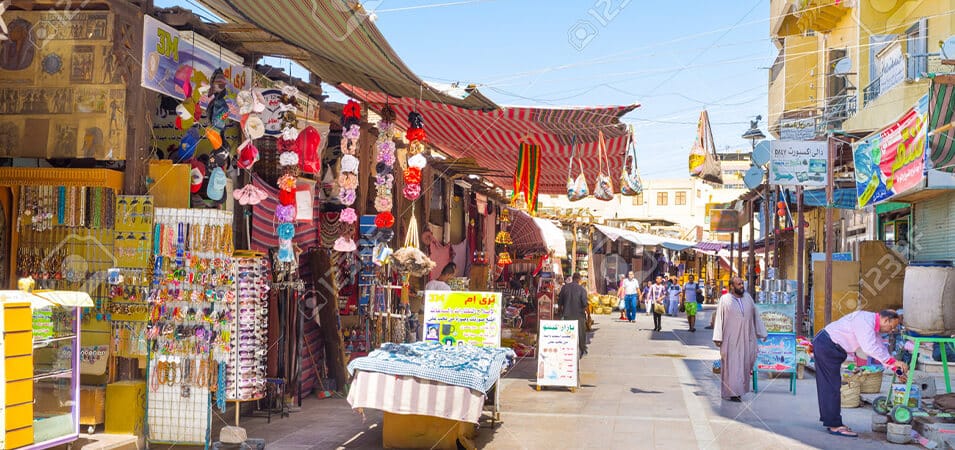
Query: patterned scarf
point(527, 175)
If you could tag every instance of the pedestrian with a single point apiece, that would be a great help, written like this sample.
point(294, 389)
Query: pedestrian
point(710, 292)
point(656, 297)
point(735, 332)
point(674, 292)
point(441, 283)
point(692, 301)
point(861, 329)
point(631, 290)
point(645, 297)
point(572, 305)
point(621, 303)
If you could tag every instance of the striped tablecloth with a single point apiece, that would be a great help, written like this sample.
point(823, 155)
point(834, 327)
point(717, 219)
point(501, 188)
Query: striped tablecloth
point(409, 395)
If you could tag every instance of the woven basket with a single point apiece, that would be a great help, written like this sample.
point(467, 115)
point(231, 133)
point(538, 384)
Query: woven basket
point(871, 382)
point(851, 395)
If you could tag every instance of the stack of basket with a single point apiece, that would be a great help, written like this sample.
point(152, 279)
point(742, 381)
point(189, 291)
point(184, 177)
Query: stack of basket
point(851, 394)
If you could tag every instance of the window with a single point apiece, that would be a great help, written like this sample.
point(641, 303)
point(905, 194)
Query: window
point(638, 199)
point(680, 198)
point(662, 198)
point(916, 43)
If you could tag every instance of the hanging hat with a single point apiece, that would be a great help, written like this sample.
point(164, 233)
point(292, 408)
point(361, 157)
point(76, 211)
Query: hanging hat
point(286, 251)
point(417, 161)
point(216, 187)
point(345, 244)
point(245, 101)
point(250, 194)
point(196, 175)
point(254, 127)
point(183, 79)
point(184, 118)
point(188, 144)
point(248, 155)
point(349, 164)
point(214, 138)
point(220, 157)
point(286, 231)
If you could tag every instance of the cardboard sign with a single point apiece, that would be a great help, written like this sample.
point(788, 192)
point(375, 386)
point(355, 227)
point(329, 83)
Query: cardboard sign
point(557, 353)
point(724, 220)
point(455, 318)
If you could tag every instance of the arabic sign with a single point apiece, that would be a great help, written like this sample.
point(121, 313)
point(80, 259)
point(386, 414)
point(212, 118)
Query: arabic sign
point(778, 318)
point(801, 129)
point(891, 63)
point(557, 355)
point(170, 60)
point(892, 161)
point(798, 163)
point(455, 318)
point(777, 353)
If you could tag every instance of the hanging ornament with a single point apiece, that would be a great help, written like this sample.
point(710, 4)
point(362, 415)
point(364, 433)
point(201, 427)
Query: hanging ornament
point(503, 238)
point(504, 259)
point(348, 182)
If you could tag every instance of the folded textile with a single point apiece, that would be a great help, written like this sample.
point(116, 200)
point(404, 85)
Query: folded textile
point(469, 366)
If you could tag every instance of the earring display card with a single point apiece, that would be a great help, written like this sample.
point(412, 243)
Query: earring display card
point(246, 367)
point(134, 213)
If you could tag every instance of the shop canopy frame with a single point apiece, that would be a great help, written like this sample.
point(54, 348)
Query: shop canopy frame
point(536, 235)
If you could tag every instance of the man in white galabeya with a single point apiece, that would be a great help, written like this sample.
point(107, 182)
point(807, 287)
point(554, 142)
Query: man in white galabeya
point(631, 289)
point(736, 329)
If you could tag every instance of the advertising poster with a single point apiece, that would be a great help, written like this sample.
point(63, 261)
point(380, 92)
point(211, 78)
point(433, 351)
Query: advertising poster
point(778, 318)
point(456, 318)
point(557, 355)
point(170, 59)
point(777, 354)
point(798, 163)
point(892, 161)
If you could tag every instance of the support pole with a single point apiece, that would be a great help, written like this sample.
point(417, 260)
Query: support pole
point(800, 265)
point(751, 263)
point(767, 210)
point(739, 253)
point(830, 232)
point(732, 245)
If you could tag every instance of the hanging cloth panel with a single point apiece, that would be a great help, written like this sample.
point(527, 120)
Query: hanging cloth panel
point(527, 175)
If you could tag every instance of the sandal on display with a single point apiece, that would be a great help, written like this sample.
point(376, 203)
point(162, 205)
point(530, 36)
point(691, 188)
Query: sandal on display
point(843, 431)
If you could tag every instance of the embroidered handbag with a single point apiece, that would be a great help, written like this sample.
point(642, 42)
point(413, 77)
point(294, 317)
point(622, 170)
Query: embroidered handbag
point(577, 188)
point(603, 190)
point(703, 161)
point(630, 183)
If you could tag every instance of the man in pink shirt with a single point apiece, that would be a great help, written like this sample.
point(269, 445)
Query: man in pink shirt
point(858, 330)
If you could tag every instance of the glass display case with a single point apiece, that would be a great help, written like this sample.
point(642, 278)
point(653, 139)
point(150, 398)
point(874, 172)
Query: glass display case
point(55, 374)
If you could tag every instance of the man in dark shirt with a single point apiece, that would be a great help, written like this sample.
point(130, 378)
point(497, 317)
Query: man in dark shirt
point(572, 305)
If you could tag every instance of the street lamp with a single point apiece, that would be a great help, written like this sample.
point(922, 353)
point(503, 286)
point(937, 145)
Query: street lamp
point(754, 134)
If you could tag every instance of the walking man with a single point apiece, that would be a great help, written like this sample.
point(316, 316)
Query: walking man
point(674, 292)
point(692, 300)
point(861, 329)
point(572, 305)
point(735, 331)
point(655, 302)
point(631, 292)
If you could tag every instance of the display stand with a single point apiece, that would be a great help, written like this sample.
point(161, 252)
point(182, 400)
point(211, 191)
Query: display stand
point(918, 341)
point(558, 354)
point(776, 306)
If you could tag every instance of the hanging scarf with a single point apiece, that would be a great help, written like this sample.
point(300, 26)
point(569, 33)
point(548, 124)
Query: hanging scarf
point(527, 175)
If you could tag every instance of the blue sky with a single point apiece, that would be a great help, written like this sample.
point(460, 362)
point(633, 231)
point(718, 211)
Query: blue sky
point(674, 58)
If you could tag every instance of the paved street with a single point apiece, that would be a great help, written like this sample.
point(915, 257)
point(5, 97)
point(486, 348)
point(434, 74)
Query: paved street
point(639, 390)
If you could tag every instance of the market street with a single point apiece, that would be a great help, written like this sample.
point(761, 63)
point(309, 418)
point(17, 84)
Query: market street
point(639, 390)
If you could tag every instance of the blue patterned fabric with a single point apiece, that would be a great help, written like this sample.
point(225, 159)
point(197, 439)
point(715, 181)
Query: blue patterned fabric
point(469, 366)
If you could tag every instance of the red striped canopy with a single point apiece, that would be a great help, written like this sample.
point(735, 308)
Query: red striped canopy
point(492, 137)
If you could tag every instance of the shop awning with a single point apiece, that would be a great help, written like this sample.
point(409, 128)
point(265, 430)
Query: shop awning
point(42, 299)
point(492, 137)
point(710, 246)
point(335, 39)
point(535, 235)
point(941, 111)
point(677, 244)
point(843, 198)
point(614, 234)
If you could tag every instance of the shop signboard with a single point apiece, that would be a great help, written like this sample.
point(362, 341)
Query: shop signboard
point(892, 160)
point(724, 220)
point(797, 129)
point(777, 353)
point(172, 58)
point(891, 63)
point(455, 318)
point(798, 163)
point(778, 318)
point(557, 353)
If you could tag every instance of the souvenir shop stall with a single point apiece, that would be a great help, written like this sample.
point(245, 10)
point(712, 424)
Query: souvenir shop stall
point(39, 380)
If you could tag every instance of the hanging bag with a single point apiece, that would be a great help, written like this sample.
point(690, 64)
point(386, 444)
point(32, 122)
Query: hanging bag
point(577, 188)
point(603, 190)
point(703, 160)
point(630, 183)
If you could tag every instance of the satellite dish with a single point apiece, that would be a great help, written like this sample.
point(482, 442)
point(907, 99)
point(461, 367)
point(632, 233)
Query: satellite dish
point(753, 177)
point(948, 48)
point(761, 153)
point(843, 66)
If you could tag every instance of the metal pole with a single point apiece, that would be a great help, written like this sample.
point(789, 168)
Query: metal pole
point(739, 253)
point(732, 244)
point(767, 210)
point(829, 228)
point(800, 267)
point(751, 263)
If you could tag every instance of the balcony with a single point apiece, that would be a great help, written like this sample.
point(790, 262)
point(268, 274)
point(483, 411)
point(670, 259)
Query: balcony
point(916, 67)
point(820, 15)
point(839, 108)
